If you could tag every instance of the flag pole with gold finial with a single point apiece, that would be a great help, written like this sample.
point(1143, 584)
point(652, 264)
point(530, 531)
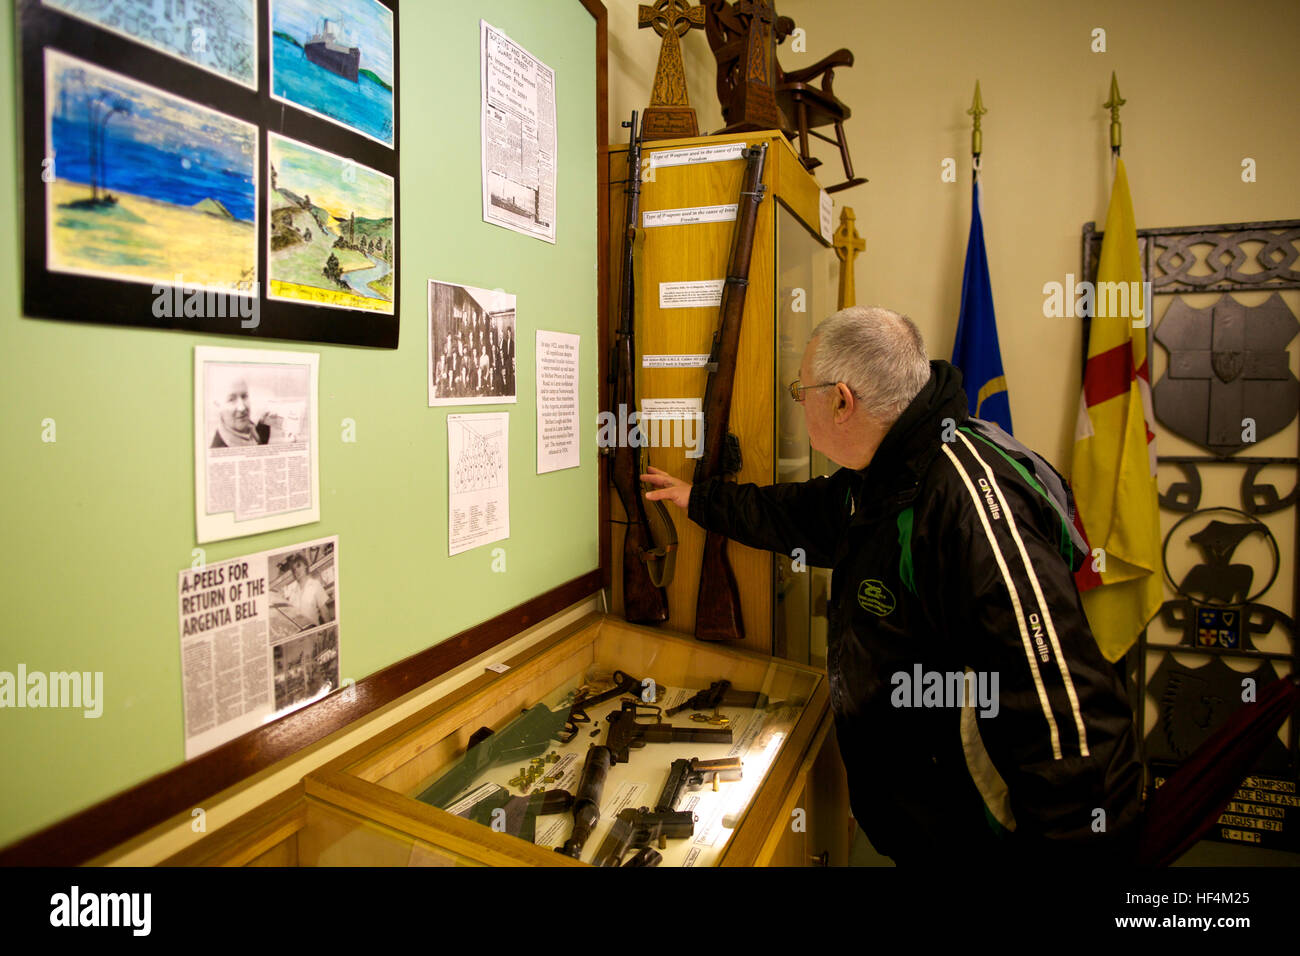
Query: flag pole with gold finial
point(976, 135)
point(1116, 132)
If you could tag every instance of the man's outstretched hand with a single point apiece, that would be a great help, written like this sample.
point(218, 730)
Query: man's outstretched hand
point(667, 488)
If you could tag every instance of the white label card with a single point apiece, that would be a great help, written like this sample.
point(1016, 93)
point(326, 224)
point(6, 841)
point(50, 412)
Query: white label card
point(688, 215)
point(697, 293)
point(674, 361)
point(668, 409)
point(698, 154)
point(827, 217)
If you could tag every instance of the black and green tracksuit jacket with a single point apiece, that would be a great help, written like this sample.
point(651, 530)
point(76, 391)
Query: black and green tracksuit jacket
point(953, 552)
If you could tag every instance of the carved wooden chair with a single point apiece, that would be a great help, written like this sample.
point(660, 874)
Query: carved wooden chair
point(811, 107)
point(756, 94)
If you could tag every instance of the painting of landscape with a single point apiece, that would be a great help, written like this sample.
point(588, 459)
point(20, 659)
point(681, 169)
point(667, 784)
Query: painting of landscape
point(217, 35)
point(334, 58)
point(145, 186)
point(331, 230)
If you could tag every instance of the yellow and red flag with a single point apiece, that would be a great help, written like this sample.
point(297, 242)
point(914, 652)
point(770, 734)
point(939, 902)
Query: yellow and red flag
point(1114, 469)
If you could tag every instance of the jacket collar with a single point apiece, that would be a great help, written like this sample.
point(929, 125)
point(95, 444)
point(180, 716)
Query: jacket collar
point(889, 481)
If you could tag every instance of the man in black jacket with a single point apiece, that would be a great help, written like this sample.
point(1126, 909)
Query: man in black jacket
point(974, 711)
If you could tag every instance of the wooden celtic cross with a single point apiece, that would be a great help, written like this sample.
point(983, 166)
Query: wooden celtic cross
point(669, 114)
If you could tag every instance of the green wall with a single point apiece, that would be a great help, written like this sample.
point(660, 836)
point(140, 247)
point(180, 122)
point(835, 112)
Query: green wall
point(97, 524)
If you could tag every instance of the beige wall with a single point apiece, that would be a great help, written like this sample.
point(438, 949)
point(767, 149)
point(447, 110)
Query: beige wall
point(1206, 83)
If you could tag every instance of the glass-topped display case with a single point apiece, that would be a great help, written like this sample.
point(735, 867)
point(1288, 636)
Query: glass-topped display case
point(610, 744)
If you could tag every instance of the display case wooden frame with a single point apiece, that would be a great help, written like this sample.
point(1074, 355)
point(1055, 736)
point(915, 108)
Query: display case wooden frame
point(370, 783)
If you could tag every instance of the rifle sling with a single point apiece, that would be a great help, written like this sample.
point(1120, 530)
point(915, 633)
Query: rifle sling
point(661, 562)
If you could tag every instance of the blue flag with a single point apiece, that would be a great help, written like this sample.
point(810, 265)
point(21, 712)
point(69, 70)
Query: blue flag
point(976, 350)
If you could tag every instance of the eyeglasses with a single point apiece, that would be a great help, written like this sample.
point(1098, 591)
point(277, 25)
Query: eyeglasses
point(797, 390)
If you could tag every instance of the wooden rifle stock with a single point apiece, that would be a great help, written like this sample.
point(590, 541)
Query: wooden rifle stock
point(717, 609)
point(644, 600)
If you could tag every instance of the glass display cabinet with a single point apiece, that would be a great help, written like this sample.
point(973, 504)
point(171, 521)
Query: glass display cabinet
point(619, 744)
point(690, 184)
point(501, 771)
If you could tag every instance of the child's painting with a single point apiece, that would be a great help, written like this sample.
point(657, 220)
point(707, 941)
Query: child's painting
point(217, 35)
point(332, 229)
point(334, 58)
point(144, 186)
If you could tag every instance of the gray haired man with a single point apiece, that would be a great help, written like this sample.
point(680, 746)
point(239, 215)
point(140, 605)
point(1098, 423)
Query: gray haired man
point(953, 550)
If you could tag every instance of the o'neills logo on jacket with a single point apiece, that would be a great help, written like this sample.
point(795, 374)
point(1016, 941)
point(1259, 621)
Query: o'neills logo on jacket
point(990, 500)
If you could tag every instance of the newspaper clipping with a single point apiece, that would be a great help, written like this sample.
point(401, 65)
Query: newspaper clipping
point(259, 638)
point(518, 134)
point(256, 455)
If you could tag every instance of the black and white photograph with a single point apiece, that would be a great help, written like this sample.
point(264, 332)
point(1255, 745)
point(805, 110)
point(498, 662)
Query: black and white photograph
point(306, 667)
point(252, 404)
point(301, 584)
point(471, 345)
point(256, 455)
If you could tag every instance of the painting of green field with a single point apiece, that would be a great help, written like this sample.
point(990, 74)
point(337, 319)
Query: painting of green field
point(332, 227)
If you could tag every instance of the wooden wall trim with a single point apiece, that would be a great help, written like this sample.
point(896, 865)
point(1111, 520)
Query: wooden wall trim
point(597, 10)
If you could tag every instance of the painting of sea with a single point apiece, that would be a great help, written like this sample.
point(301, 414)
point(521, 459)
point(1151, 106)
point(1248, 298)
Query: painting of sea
point(145, 186)
point(334, 58)
point(332, 229)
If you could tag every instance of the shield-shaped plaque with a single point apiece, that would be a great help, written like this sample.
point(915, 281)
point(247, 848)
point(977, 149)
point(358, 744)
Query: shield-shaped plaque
point(1229, 380)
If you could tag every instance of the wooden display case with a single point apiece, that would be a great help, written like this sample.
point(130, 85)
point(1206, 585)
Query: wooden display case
point(790, 808)
point(791, 287)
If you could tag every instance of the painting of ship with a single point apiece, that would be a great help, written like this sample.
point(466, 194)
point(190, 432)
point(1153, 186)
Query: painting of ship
point(327, 49)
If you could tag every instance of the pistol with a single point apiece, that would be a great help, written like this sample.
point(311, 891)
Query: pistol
point(641, 828)
point(625, 732)
point(646, 856)
point(691, 774)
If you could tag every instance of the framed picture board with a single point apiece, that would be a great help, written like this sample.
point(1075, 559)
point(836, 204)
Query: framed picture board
point(225, 167)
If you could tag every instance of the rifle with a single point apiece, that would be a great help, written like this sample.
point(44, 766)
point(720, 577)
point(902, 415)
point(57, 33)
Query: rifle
point(625, 733)
point(646, 568)
point(720, 694)
point(717, 610)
